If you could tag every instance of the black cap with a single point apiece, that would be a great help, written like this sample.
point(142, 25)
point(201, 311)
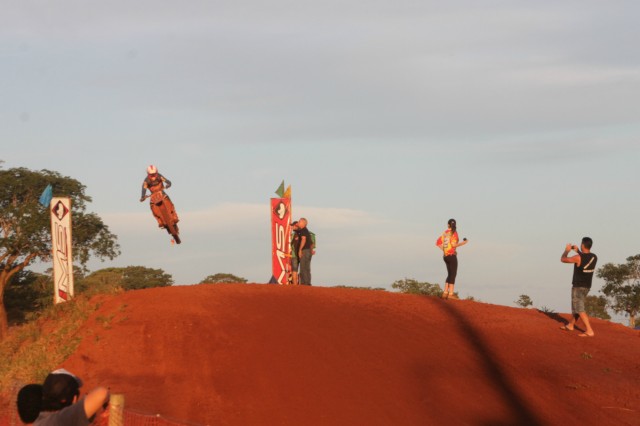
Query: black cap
point(29, 403)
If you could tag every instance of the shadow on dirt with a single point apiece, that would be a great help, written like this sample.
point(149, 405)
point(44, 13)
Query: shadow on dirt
point(521, 413)
point(554, 316)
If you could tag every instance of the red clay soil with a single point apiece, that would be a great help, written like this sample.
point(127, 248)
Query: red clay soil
point(273, 355)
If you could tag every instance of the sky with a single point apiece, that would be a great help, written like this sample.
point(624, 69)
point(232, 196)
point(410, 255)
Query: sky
point(519, 119)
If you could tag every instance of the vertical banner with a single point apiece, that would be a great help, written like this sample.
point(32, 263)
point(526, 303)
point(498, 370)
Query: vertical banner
point(61, 249)
point(281, 240)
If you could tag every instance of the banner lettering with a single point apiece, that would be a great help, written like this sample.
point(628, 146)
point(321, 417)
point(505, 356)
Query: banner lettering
point(281, 239)
point(61, 249)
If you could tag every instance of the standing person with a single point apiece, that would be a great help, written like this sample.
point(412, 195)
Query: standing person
point(155, 182)
point(448, 242)
point(295, 247)
point(305, 252)
point(60, 403)
point(584, 264)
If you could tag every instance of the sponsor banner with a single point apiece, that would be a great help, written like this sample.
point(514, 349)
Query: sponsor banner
point(61, 249)
point(281, 239)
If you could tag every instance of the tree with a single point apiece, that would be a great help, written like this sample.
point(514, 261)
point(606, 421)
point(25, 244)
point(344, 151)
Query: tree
point(25, 229)
point(27, 294)
point(353, 287)
point(622, 287)
point(110, 280)
point(411, 286)
point(139, 277)
point(107, 280)
point(221, 278)
point(596, 307)
point(524, 301)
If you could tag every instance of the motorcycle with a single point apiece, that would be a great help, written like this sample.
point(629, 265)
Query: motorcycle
point(163, 210)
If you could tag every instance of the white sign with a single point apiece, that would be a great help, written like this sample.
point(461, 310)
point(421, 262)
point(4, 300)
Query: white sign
point(61, 249)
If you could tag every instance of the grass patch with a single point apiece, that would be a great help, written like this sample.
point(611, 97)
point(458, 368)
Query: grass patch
point(30, 351)
point(105, 322)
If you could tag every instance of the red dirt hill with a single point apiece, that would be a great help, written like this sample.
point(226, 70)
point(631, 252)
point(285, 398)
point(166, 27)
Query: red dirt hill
point(272, 355)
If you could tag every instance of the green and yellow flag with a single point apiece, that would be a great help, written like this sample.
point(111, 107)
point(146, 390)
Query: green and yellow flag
point(280, 190)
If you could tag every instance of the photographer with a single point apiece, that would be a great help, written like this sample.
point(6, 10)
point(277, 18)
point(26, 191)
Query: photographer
point(584, 265)
point(57, 401)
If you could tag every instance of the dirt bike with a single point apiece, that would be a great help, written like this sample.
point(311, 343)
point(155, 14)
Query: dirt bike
point(170, 225)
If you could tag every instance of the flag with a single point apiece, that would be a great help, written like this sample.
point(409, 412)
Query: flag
point(280, 190)
point(47, 195)
point(287, 193)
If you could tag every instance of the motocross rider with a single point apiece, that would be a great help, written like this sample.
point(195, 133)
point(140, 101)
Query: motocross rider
point(155, 182)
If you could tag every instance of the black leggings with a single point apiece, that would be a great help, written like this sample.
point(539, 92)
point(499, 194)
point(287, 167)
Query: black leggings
point(452, 268)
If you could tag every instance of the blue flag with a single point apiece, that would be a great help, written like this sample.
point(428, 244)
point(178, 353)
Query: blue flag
point(47, 195)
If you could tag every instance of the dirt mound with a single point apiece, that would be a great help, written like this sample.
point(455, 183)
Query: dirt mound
point(272, 355)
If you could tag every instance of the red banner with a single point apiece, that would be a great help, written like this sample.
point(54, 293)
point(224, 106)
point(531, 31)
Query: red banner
point(281, 239)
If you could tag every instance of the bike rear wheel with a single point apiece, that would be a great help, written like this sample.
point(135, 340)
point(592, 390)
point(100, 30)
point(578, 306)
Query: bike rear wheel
point(172, 228)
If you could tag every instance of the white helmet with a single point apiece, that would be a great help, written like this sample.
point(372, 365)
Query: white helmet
point(152, 170)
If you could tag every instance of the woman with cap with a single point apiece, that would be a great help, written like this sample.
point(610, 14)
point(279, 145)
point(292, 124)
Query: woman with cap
point(57, 401)
point(448, 242)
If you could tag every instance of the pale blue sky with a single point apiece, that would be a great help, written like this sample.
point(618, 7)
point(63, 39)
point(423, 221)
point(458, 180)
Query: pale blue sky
point(520, 119)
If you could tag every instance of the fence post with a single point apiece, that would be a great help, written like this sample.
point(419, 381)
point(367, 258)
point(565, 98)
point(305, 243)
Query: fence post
point(116, 410)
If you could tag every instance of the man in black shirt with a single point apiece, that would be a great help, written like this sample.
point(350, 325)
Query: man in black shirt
point(584, 265)
point(295, 248)
point(305, 252)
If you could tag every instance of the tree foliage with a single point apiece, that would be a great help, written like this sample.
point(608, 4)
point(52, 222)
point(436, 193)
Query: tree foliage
point(27, 294)
point(411, 286)
point(139, 277)
point(25, 228)
point(353, 287)
point(107, 280)
point(622, 287)
point(524, 301)
point(221, 278)
point(110, 280)
point(596, 307)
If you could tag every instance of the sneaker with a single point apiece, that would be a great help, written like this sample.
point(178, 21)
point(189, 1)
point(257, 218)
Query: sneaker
point(453, 296)
point(444, 295)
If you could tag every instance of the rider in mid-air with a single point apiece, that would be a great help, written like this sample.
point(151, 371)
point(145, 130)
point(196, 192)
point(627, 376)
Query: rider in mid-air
point(155, 182)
